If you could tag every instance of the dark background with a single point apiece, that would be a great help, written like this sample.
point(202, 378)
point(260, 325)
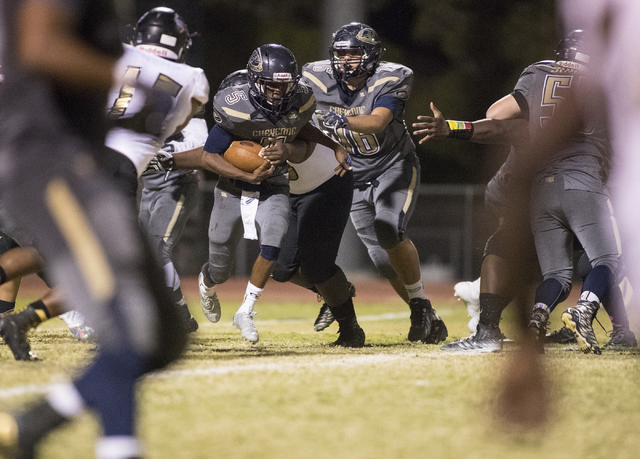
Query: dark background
point(465, 54)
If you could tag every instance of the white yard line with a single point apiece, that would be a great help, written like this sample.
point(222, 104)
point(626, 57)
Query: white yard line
point(338, 361)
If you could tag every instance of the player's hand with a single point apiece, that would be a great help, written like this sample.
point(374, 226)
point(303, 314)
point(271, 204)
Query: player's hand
point(162, 162)
point(331, 119)
point(431, 127)
point(261, 173)
point(344, 160)
point(276, 152)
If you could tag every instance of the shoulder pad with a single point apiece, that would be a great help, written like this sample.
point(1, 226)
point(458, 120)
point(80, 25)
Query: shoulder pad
point(232, 105)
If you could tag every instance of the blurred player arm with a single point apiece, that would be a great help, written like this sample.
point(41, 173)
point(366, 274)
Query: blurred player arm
point(489, 131)
point(46, 44)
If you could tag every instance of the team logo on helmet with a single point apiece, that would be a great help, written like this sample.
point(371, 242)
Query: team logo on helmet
point(255, 61)
point(368, 36)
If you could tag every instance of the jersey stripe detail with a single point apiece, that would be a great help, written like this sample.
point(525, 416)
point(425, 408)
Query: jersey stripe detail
point(310, 103)
point(317, 82)
point(82, 241)
point(382, 81)
point(237, 114)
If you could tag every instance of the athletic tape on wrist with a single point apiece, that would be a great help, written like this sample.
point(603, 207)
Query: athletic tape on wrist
point(462, 130)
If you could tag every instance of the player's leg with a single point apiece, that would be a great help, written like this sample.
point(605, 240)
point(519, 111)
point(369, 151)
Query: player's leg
point(163, 215)
point(394, 199)
point(8, 289)
point(272, 221)
point(225, 231)
point(323, 215)
point(597, 232)
point(81, 216)
point(554, 247)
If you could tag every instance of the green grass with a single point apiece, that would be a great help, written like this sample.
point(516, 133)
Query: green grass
point(292, 396)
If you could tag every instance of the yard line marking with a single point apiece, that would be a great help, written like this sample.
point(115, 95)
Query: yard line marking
point(35, 389)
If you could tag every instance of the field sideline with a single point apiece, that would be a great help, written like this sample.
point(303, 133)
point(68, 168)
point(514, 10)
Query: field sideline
point(292, 396)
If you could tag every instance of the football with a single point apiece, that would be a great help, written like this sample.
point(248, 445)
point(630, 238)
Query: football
point(244, 155)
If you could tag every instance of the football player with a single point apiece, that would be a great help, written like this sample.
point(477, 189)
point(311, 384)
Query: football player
point(361, 103)
point(266, 104)
point(169, 198)
point(57, 78)
point(320, 205)
point(159, 32)
point(569, 197)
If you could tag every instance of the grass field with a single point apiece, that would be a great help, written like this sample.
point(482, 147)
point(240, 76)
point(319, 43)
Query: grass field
point(292, 396)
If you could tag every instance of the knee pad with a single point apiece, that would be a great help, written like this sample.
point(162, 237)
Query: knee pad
point(269, 253)
point(388, 235)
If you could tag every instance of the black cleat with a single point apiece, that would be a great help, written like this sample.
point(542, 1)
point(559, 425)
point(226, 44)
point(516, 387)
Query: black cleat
point(14, 328)
point(324, 319)
point(621, 338)
point(20, 435)
point(580, 319)
point(189, 323)
point(485, 339)
point(351, 334)
point(438, 332)
point(538, 327)
point(422, 317)
point(561, 336)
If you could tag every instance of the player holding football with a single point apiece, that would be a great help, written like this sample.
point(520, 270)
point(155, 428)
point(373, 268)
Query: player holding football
point(361, 105)
point(267, 105)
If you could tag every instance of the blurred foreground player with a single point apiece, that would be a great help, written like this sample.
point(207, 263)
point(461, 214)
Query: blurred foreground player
point(57, 76)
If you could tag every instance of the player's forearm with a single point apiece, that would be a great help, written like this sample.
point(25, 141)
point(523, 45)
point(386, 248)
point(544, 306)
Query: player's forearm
point(299, 150)
point(368, 124)
point(310, 133)
point(509, 132)
point(189, 159)
point(216, 163)
point(44, 45)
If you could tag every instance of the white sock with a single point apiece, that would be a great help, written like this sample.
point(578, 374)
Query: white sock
point(590, 297)
point(119, 447)
point(251, 295)
point(66, 400)
point(416, 290)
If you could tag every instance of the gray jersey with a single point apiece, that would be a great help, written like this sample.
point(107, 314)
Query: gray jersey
point(371, 154)
point(234, 112)
point(584, 158)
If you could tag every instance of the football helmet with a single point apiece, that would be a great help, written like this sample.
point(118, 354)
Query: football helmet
point(163, 32)
point(355, 36)
point(273, 77)
point(234, 79)
point(571, 48)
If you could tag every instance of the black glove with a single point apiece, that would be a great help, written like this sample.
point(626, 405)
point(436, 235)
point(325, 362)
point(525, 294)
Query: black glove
point(162, 162)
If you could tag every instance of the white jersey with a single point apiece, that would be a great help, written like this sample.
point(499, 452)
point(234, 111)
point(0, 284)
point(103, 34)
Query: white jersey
point(182, 81)
point(312, 172)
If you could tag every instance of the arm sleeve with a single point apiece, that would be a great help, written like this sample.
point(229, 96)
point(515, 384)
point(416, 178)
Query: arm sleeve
point(218, 140)
point(395, 105)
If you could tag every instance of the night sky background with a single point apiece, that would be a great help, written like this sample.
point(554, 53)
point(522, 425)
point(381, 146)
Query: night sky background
point(465, 55)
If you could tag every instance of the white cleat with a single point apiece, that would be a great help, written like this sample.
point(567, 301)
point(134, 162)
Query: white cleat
point(469, 293)
point(209, 301)
point(77, 325)
point(244, 322)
